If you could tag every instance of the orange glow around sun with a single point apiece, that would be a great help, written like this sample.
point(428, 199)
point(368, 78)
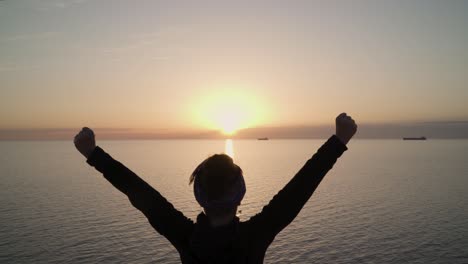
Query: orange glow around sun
point(229, 111)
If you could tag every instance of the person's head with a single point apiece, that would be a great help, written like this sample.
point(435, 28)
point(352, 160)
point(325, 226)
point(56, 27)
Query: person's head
point(218, 186)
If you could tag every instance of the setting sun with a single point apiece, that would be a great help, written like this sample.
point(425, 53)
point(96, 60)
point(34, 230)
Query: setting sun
point(229, 111)
point(230, 116)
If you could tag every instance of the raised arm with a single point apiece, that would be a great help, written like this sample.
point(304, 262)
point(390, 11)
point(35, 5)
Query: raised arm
point(285, 206)
point(161, 214)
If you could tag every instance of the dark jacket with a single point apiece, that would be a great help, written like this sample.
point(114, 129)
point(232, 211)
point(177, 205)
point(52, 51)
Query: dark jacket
point(238, 242)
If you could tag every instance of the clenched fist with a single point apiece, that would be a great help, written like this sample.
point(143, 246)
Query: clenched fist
point(345, 127)
point(85, 142)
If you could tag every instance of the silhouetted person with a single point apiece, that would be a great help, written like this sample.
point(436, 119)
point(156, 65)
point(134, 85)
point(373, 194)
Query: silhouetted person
point(218, 236)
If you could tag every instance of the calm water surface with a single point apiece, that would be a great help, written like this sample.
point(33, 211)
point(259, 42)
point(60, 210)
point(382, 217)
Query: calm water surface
point(385, 201)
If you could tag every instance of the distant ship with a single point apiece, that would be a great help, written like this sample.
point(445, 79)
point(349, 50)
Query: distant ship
point(414, 138)
point(263, 138)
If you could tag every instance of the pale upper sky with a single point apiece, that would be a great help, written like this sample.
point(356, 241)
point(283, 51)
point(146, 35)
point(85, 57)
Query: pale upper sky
point(178, 65)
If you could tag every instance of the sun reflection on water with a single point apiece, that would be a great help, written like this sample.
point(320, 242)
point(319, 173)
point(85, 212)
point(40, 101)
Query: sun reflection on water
point(229, 148)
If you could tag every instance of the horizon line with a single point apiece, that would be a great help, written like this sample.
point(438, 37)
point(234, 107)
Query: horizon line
point(445, 129)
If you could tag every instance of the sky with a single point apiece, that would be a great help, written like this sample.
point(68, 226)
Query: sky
point(185, 67)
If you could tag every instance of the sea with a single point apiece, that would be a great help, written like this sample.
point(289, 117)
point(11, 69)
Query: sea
point(384, 201)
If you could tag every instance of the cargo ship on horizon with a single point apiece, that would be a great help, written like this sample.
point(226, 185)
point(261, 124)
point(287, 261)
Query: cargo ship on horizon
point(414, 138)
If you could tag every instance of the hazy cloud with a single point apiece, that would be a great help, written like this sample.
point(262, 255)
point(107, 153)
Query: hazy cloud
point(45, 5)
point(136, 42)
point(103, 134)
point(29, 36)
point(154, 45)
point(10, 68)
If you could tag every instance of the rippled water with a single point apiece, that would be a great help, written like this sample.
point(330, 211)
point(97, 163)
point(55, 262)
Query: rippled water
point(385, 201)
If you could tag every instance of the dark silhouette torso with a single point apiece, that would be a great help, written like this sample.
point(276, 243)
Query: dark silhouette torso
point(238, 242)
